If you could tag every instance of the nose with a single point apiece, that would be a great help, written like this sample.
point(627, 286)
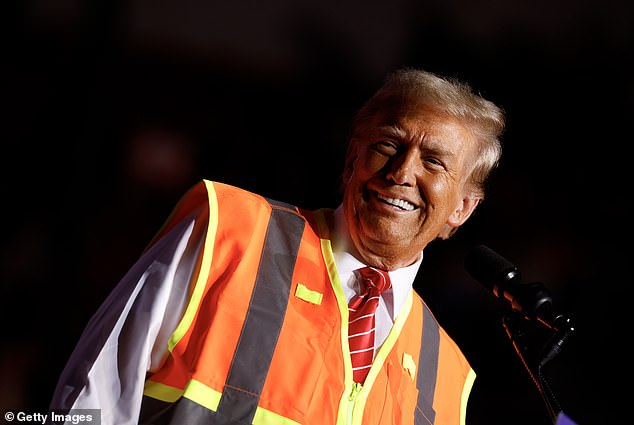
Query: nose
point(402, 169)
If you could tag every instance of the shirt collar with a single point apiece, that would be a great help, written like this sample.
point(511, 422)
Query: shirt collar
point(347, 263)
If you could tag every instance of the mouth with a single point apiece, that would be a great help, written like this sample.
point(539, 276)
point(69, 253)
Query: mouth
point(401, 204)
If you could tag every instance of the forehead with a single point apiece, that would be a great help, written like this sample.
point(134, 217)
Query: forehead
point(423, 124)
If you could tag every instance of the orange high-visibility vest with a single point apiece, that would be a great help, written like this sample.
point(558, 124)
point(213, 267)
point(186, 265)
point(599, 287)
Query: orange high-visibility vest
point(263, 339)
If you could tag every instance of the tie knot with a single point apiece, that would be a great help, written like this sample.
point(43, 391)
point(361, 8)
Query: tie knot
point(375, 278)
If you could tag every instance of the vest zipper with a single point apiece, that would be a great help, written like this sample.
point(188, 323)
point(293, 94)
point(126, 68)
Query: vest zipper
point(352, 398)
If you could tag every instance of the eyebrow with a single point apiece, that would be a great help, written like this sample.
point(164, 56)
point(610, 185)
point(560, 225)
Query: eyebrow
point(432, 145)
point(393, 130)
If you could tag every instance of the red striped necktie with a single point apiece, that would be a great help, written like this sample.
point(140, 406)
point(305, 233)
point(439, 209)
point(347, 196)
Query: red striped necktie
point(361, 309)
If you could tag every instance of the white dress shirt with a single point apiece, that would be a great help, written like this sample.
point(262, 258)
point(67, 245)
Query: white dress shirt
point(392, 300)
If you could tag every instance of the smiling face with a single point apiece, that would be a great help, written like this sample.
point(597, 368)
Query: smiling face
point(405, 183)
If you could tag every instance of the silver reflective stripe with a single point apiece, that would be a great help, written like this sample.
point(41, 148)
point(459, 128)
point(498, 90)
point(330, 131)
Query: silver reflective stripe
point(428, 361)
point(265, 315)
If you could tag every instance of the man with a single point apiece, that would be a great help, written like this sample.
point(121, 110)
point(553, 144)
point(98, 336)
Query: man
point(248, 310)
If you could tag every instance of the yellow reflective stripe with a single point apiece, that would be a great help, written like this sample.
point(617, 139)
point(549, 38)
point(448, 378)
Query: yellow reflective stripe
point(162, 392)
point(382, 354)
point(205, 266)
point(209, 398)
point(466, 390)
point(194, 390)
point(266, 417)
point(326, 250)
point(202, 394)
point(313, 297)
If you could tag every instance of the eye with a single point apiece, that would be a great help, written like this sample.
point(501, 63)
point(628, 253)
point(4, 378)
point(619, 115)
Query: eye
point(385, 147)
point(434, 162)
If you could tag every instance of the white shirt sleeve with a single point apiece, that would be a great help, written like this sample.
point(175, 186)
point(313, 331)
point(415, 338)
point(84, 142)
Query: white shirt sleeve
point(128, 335)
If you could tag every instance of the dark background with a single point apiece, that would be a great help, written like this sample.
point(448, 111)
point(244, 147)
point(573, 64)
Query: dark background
point(112, 109)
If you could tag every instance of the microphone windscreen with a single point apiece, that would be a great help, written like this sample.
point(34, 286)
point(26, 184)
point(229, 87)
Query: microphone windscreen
point(488, 267)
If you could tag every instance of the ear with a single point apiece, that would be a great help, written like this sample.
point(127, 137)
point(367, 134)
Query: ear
point(460, 214)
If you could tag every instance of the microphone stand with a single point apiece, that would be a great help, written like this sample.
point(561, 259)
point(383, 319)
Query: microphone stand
point(530, 301)
point(561, 328)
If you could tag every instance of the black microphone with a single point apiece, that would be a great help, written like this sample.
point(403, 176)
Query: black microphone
point(503, 279)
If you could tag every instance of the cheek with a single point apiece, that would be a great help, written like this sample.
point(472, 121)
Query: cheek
point(441, 193)
point(364, 168)
point(369, 161)
point(374, 163)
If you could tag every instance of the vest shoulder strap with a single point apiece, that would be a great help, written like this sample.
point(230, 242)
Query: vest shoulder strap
point(428, 356)
point(265, 314)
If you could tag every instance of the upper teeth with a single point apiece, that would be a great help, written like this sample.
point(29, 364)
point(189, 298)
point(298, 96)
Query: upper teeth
point(398, 203)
